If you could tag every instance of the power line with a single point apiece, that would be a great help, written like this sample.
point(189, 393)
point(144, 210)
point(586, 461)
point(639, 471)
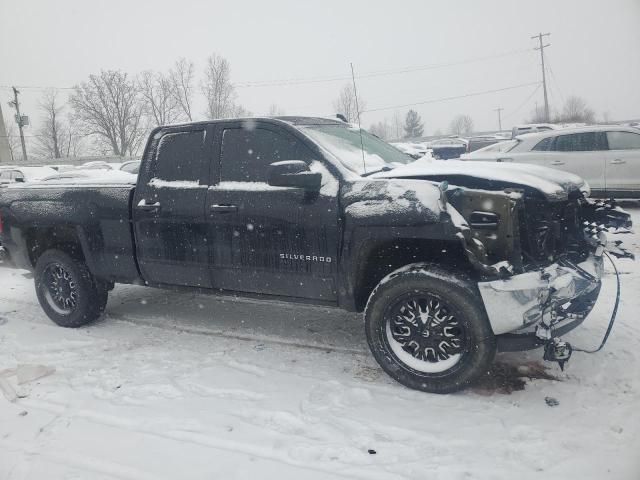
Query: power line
point(336, 77)
point(517, 109)
point(372, 74)
point(444, 99)
point(33, 87)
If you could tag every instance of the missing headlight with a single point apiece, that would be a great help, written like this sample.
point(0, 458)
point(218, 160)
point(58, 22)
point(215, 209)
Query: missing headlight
point(484, 220)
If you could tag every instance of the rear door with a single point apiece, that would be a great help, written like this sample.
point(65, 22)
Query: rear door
point(581, 153)
point(168, 208)
point(271, 240)
point(623, 162)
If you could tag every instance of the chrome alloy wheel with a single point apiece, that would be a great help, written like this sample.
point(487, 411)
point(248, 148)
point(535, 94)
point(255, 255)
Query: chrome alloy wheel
point(61, 290)
point(425, 334)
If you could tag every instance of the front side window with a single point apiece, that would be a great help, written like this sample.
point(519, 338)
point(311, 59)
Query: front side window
point(544, 145)
point(247, 153)
point(623, 140)
point(179, 156)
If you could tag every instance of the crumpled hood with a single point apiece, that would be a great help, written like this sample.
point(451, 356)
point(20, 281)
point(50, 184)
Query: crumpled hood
point(553, 184)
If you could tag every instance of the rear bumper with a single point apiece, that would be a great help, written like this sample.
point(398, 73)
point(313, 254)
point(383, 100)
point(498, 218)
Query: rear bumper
point(557, 298)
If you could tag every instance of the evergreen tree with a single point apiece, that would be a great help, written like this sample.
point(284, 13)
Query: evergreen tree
point(413, 126)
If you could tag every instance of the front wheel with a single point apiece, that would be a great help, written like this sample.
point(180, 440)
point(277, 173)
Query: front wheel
point(67, 291)
point(427, 328)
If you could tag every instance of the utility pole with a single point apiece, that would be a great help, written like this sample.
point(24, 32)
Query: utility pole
point(499, 110)
point(544, 78)
point(20, 120)
point(5, 151)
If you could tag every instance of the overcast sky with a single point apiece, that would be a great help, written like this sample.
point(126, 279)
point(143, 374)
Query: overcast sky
point(594, 52)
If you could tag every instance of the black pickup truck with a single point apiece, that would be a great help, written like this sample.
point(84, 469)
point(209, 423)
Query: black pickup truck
point(450, 261)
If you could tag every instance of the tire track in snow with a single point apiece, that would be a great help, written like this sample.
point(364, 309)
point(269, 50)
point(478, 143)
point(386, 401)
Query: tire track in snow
point(194, 330)
point(201, 439)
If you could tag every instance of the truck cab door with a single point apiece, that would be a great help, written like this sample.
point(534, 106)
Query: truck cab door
point(171, 233)
point(623, 163)
point(270, 240)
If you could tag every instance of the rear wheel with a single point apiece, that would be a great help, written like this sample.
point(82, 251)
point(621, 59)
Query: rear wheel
point(67, 291)
point(427, 329)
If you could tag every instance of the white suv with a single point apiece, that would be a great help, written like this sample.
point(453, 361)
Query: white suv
point(608, 157)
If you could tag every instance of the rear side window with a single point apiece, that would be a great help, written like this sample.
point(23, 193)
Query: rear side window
point(544, 145)
point(179, 156)
point(246, 154)
point(580, 142)
point(623, 140)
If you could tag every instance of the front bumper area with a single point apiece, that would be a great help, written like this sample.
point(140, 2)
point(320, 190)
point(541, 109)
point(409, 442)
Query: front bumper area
point(545, 301)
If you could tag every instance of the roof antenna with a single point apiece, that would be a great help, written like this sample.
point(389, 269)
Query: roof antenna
point(355, 92)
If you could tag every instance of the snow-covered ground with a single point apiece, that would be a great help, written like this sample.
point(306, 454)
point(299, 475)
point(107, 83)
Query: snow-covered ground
point(187, 386)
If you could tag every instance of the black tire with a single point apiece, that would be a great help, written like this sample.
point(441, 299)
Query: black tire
point(67, 291)
point(411, 356)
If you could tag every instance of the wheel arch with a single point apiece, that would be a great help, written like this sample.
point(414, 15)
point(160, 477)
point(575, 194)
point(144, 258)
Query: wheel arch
point(377, 259)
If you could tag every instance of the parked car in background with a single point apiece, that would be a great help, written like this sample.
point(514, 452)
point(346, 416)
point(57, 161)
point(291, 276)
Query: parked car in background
point(62, 167)
point(24, 174)
point(607, 156)
point(447, 148)
point(482, 141)
point(532, 128)
point(132, 166)
point(96, 165)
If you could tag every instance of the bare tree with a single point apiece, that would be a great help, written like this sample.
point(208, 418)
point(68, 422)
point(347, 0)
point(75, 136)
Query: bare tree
point(110, 107)
point(181, 77)
point(275, 111)
point(13, 139)
point(461, 125)
point(575, 109)
point(382, 129)
point(52, 135)
point(346, 103)
point(537, 115)
point(218, 89)
point(160, 103)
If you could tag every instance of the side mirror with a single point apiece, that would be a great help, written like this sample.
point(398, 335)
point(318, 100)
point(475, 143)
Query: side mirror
point(19, 179)
point(293, 173)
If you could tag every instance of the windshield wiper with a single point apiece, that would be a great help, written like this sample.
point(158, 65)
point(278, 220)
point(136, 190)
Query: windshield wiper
point(386, 168)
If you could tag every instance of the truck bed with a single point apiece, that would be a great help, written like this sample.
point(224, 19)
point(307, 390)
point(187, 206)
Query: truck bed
point(99, 215)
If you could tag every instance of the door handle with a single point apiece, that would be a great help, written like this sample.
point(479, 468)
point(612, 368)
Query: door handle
point(223, 208)
point(143, 205)
point(557, 162)
point(618, 161)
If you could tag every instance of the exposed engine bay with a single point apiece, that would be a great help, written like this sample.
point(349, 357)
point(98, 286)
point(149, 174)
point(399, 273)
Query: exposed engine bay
point(541, 261)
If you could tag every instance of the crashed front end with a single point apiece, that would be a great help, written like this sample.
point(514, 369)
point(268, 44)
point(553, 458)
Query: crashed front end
point(541, 262)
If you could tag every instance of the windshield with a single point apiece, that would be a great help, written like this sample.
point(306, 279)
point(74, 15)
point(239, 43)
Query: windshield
point(500, 147)
point(346, 145)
